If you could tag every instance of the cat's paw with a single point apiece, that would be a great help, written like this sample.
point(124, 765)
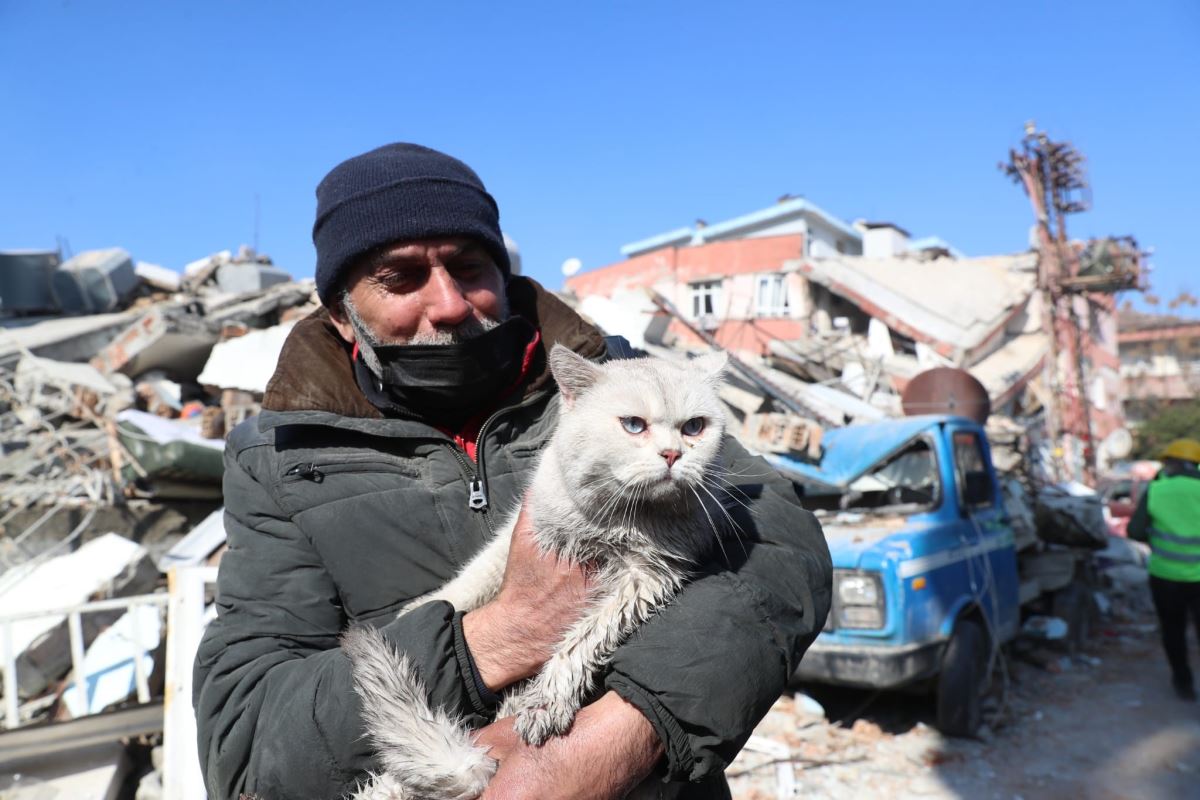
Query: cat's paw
point(537, 724)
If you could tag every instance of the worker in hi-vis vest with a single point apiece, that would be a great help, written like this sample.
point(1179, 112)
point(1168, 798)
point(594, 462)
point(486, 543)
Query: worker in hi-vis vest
point(1168, 517)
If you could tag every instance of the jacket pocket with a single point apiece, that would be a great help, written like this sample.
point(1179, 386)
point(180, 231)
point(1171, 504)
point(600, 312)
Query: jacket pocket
point(316, 471)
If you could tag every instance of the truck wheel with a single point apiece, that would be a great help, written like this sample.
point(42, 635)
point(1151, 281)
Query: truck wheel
point(960, 685)
point(1075, 605)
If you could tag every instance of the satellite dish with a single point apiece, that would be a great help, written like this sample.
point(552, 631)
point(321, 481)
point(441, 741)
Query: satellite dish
point(571, 266)
point(945, 390)
point(1118, 444)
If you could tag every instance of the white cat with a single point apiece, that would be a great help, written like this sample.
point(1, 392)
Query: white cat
point(628, 484)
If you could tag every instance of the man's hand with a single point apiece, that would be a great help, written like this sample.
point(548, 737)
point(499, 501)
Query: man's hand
point(512, 636)
point(609, 750)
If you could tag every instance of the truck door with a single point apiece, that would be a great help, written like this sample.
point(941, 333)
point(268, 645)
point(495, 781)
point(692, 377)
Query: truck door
point(992, 561)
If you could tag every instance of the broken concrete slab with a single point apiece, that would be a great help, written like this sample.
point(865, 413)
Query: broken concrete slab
point(239, 277)
point(198, 545)
point(160, 278)
point(62, 581)
point(62, 386)
point(94, 773)
point(165, 338)
point(25, 281)
point(259, 310)
point(48, 659)
point(95, 281)
point(60, 338)
point(246, 362)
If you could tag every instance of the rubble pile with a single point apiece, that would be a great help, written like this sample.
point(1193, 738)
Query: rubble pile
point(1057, 714)
point(118, 384)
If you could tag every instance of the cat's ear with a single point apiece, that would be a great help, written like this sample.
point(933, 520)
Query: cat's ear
point(573, 373)
point(711, 364)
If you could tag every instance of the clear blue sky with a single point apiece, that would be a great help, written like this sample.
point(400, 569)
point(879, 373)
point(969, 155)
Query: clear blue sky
point(153, 125)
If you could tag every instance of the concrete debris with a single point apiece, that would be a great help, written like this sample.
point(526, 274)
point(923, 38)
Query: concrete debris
point(25, 280)
point(60, 581)
point(169, 338)
point(118, 383)
point(246, 362)
point(200, 546)
point(160, 278)
point(109, 672)
point(1045, 628)
point(95, 282)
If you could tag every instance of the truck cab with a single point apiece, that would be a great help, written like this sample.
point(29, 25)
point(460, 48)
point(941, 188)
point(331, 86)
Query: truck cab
point(925, 569)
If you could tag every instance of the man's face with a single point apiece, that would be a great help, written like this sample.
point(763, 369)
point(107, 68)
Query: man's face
point(424, 291)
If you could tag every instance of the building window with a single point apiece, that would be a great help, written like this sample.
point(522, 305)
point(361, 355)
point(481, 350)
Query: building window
point(706, 298)
point(771, 296)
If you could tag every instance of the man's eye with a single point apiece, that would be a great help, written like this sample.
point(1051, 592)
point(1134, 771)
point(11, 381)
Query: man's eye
point(470, 270)
point(693, 427)
point(398, 279)
point(633, 424)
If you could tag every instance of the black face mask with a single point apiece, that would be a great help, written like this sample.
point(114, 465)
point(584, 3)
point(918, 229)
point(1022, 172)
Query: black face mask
point(448, 382)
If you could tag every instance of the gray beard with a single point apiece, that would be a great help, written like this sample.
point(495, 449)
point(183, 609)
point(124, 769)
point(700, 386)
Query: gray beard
point(367, 339)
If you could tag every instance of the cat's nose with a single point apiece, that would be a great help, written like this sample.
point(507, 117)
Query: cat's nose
point(671, 457)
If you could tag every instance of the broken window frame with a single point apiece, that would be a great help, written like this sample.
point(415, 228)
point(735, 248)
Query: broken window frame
point(771, 286)
point(706, 293)
point(836, 499)
point(974, 448)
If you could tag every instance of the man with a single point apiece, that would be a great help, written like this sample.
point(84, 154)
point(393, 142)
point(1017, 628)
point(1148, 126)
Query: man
point(1168, 516)
point(396, 432)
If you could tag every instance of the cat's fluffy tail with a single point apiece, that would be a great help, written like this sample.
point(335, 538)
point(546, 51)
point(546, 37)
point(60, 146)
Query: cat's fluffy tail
point(426, 753)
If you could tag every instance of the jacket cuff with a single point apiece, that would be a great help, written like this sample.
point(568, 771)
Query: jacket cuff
point(680, 761)
point(482, 698)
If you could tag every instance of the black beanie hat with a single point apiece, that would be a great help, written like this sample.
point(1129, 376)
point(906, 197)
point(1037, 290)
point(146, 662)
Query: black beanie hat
point(396, 193)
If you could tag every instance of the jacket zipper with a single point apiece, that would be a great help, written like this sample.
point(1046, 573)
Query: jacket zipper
point(476, 477)
point(477, 499)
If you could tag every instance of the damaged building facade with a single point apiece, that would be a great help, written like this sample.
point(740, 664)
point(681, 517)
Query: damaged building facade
point(1160, 362)
point(859, 309)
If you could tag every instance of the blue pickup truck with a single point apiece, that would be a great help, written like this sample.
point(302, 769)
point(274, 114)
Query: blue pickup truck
point(926, 587)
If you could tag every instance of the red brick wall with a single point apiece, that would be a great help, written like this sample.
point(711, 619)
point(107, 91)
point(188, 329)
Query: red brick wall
point(687, 264)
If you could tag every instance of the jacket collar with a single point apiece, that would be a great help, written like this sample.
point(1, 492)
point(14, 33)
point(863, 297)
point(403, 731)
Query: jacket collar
point(316, 375)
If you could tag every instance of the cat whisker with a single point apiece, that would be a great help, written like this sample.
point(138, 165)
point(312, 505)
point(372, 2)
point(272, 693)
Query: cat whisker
point(735, 473)
point(711, 523)
point(740, 533)
point(733, 495)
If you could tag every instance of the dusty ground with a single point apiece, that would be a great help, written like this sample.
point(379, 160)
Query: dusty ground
point(1103, 725)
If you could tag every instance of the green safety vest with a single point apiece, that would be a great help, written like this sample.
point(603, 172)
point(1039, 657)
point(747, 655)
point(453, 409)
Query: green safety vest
point(1174, 506)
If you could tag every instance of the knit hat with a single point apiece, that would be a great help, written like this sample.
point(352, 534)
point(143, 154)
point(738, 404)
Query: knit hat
point(396, 193)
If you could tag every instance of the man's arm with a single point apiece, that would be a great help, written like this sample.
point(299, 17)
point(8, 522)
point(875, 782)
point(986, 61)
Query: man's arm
point(1138, 528)
point(610, 748)
point(707, 668)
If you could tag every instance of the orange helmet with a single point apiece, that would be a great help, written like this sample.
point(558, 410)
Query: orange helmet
point(1183, 449)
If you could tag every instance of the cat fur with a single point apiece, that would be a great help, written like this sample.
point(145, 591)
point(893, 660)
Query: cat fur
point(600, 495)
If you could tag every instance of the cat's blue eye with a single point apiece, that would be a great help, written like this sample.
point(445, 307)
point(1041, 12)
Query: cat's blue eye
point(633, 424)
point(693, 427)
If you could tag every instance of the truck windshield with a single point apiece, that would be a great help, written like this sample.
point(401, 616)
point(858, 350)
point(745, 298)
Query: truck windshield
point(907, 480)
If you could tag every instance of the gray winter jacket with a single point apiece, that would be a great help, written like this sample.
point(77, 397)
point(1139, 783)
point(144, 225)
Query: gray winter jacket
point(338, 516)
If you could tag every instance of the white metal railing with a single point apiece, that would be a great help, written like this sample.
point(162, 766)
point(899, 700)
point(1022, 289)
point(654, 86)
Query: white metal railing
point(74, 614)
point(187, 588)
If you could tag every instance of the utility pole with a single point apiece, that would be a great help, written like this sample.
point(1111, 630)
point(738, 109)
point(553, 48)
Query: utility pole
point(1053, 176)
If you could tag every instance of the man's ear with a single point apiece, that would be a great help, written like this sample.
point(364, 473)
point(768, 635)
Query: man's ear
point(339, 318)
point(573, 373)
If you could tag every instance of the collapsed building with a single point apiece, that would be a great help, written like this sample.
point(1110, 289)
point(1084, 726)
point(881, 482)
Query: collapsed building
point(844, 316)
point(118, 383)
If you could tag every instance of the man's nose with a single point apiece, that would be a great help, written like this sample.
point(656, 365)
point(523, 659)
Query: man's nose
point(445, 303)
